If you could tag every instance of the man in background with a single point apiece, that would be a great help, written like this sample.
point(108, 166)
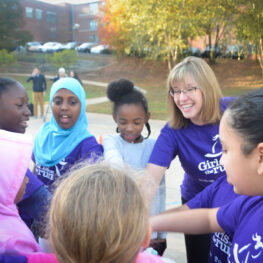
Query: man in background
point(39, 88)
point(61, 74)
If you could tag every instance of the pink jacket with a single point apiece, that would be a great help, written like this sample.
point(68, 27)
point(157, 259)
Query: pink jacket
point(145, 257)
point(41, 258)
point(50, 258)
point(15, 154)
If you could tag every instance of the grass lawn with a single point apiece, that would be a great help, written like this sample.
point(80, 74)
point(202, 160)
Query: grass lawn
point(235, 78)
point(91, 91)
point(157, 98)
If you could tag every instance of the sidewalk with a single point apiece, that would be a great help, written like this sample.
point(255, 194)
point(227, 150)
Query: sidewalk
point(103, 124)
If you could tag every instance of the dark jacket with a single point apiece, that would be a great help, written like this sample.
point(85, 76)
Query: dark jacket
point(39, 83)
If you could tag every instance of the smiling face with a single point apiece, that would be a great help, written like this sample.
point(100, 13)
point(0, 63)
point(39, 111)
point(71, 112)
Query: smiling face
point(14, 110)
point(243, 171)
point(130, 119)
point(191, 104)
point(66, 108)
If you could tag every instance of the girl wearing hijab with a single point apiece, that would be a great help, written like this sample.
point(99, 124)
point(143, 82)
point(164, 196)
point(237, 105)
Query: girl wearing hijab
point(64, 140)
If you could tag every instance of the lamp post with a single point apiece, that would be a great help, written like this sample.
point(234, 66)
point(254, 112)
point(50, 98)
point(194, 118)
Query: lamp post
point(75, 28)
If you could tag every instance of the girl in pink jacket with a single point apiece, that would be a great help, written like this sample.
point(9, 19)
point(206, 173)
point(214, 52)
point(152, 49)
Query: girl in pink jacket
point(15, 155)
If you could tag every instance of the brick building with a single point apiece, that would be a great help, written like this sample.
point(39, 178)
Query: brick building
point(85, 19)
point(62, 22)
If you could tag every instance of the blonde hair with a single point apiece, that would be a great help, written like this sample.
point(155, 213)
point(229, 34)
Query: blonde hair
point(97, 215)
point(208, 84)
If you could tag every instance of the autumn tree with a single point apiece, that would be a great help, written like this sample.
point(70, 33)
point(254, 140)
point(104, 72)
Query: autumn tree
point(154, 28)
point(161, 29)
point(11, 25)
point(111, 30)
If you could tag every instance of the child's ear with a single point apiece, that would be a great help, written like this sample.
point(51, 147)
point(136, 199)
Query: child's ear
point(147, 117)
point(260, 153)
point(147, 237)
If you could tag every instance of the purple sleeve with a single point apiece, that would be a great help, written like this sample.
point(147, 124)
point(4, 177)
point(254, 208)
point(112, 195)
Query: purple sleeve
point(7, 258)
point(224, 102)
point(33, 184)
point(165, 148)
point(203, 198)
point(91, 149)
point(228, 215)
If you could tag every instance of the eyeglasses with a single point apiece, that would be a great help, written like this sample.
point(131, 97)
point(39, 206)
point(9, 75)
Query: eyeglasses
point(178, 92)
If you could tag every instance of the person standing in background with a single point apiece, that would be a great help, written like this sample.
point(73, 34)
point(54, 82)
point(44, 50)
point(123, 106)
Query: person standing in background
point(74, 74)
point(61, 74)
point(39, 88)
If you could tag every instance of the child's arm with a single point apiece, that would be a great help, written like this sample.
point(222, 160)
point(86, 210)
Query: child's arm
point(111, 151)
point(153, 178)
point(195, 221)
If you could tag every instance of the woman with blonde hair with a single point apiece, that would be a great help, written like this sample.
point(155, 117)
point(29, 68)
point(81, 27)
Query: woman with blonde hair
point(196, 106)
point(98, 214)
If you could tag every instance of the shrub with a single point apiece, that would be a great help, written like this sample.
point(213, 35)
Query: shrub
point(65, 58)
point(7, 58)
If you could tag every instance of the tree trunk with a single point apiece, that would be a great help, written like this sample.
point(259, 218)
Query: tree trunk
point(210, 47)
point(260, 55)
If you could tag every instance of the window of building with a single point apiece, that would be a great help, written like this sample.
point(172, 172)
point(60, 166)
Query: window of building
point(39, 14)
point(53, 32)
point(93, 25)
point(51, 16)
point(93, 8)
point(93, 38)
point(29, 12)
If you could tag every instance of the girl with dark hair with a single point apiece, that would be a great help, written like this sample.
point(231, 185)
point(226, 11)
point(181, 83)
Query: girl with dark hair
point(241, 136)
point(130, 112)
point(13, 118)
point(65, 140)
point(74, 74)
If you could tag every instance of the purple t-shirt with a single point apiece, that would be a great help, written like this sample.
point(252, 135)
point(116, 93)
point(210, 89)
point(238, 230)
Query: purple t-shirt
point(242, 219)
point(33, 184)
point(199, 151)
point(216, 194)
point(89, 148)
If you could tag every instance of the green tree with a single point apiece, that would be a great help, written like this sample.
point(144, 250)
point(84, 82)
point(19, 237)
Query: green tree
point(7, 58)
point(155, 28)
point(11, 25)
point(65, 58)
point(161, 29)
point(249, 25)
point(213, 19)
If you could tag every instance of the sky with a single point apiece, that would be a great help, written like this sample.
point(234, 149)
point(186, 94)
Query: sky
point(64, 1)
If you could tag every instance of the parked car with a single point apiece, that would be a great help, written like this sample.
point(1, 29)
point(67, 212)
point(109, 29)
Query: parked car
point(20, 49)
point(85, 47)
point(206, 53)
point(192, 51)
point(51, 47)
point(100, 49)
point(70, 45)
point(235, 52)
point(33, 46)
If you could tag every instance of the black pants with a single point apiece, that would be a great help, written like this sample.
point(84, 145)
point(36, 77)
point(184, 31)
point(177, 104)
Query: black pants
point(197, 246)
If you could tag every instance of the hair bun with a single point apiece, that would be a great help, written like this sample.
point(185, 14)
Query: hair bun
point(119, 88)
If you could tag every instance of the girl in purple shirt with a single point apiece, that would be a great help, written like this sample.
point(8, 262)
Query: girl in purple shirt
point(242, 140)
point(64, 140)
